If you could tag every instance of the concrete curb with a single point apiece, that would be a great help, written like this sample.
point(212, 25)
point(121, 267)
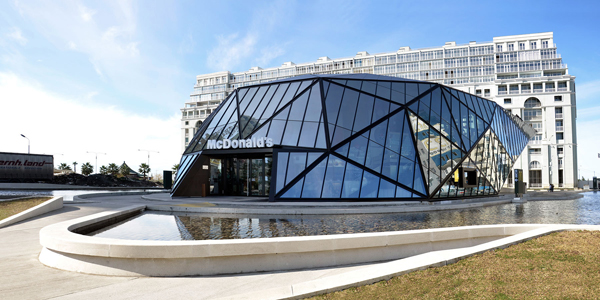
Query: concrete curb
point(326, 208)
point(95, 195)
point(48, 206)
point(280, 210)
point(388, 270)
point(66, 247)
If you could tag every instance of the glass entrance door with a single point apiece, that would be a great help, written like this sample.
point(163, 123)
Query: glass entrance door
point(246, 176)
point(256, 177)
point(243, 176)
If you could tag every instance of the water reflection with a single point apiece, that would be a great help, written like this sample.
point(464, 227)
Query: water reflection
point(167, 226)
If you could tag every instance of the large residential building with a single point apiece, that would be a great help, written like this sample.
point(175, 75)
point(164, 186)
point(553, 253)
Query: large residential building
point(522, 73)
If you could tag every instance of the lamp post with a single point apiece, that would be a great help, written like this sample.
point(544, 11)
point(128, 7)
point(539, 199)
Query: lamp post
point(96, 158)
point(148, 151)
point(28, 143)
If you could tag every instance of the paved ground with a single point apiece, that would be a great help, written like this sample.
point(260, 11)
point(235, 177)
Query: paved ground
point(24, 277)
point(50, 186)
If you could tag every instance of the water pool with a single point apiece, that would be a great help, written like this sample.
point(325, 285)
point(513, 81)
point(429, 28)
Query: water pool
point(163, 226)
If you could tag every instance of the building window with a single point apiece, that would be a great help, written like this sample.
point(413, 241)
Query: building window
point(486, 93)
point(544, 44)
point(558, 113)
point(535, 151)
point(533, 45)
point(557, 98)
point(560, 150)
point(186, 140)
point(535, 165)
point(560, 136)
point(511, 47)
point(533, 103)
point(507, 101)
point(187, 123)
point(187, 131)
point(521, 46)
point(498, 48)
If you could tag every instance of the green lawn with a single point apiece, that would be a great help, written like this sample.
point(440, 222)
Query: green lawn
point(563, 265)
point(10, 208)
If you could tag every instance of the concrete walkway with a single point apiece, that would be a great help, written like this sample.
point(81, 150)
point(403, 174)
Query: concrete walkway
point(51, 186)
point(24, 277)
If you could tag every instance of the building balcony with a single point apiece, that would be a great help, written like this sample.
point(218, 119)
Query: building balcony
point(560, 128)
point(550, 90)
point(526, 91)
point(535, 142)
point(538, 90)
point(502, 92)
point(532, 118)
point(514, 92)
point(562, 89)
point(558, 116)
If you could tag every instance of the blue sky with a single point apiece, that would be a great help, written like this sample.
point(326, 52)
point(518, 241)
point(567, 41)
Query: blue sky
point(110, 76)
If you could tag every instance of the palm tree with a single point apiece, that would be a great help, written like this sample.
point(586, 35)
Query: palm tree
point(113, 169)
point(104, 170)
point(64, 166)
point(87, 169)
point(144, 169)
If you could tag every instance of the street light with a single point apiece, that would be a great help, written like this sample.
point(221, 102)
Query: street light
point(148, 151)
point(96, 158)
point(28, 143)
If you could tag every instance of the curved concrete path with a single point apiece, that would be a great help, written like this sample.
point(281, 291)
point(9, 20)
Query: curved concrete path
point(24, 277)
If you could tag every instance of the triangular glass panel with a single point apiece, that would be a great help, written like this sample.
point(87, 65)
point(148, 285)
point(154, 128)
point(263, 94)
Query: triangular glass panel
point(403, 193)
point(486, 113)
point(352, 181)
point(312, 156)
point(256, 113)
point(369, 87)
point(384, 90)
point(354, 84)
point(346, 115)
point(314, 180)
point(339, 81)
point(243, 102)
point(411, 90)
point(334, 175)
point(386, 189)
point(398, 95)
point(248, 107)
point(294, 89)
point(370, 185)
point(295, 191)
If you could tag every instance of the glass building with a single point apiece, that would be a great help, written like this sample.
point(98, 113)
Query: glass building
point(359, 136)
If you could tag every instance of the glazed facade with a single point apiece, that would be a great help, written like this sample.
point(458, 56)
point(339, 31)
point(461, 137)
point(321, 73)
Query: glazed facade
point(339, 137)
point(523, 73)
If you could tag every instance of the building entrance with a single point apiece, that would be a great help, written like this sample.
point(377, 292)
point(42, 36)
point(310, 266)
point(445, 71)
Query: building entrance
point(241, 176)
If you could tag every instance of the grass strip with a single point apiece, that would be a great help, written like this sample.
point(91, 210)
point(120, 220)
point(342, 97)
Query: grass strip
point(562, 265)
point(11, 208)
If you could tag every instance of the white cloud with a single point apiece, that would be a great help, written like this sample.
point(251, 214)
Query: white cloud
point(231, 50)
point(268, 54)
point(59, 125)
point(17, 35)
point(85, 13)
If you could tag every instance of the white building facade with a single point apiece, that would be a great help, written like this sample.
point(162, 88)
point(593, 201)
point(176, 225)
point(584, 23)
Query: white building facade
point(523, 73)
